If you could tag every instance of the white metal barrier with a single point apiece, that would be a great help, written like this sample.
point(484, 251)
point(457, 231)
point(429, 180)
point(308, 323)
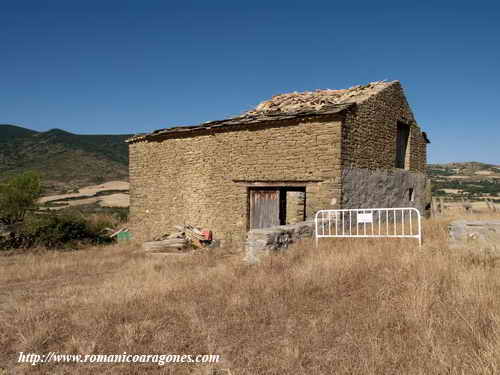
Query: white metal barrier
point(369, 223)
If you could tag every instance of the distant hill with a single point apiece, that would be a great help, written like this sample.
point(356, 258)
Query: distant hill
point(470, 180)
point(465, 167)
point(12, 131)
point(65, 160)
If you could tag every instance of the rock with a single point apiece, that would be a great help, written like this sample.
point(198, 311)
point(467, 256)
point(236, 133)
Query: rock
point(480, 237)
point(261, 241)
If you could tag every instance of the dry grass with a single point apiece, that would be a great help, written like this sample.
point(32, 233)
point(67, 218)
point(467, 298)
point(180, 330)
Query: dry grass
point(349, 307)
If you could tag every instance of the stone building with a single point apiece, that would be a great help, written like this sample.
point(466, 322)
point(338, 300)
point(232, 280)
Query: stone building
point(281, 162)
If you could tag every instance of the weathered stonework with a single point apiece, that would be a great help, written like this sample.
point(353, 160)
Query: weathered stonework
point(369, 177)
point(295, 207)
point(369, 133)
point(203, 180)
point(263, 241)
point(202, 175)
point(365, 188)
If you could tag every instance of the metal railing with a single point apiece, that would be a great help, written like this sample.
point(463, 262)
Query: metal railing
point(369, 223)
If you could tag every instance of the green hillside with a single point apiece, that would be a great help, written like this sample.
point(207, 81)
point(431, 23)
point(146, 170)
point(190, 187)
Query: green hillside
point(9, 132)
point(65, 160)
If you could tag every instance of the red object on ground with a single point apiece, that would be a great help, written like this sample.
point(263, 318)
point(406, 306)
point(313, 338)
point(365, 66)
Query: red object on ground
point(207, 234)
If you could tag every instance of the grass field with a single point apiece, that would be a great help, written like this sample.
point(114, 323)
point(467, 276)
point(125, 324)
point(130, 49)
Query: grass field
point(349, 307)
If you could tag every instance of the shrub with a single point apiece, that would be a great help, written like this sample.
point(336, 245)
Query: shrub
point(99, 222)
point(18, 195)
point(59, 231)
point(121, 213)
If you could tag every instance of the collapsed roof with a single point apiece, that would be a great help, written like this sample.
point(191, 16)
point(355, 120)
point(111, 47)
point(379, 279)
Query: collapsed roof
point(318, 99)
point(288, 106)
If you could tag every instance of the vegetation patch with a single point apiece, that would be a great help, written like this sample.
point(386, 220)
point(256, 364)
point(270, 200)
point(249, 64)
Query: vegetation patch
point(472, 181)
point(27, 227)
point(57, 231)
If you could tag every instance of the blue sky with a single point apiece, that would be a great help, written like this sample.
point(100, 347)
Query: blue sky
point(133, 66)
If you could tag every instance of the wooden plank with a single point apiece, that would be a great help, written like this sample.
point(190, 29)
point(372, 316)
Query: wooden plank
point(298, 184)
point(165, 244)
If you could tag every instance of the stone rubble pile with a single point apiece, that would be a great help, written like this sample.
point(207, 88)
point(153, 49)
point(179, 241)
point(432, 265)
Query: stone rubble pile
point(315, 100)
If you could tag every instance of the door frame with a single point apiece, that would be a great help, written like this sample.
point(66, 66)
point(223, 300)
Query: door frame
point(282, 190)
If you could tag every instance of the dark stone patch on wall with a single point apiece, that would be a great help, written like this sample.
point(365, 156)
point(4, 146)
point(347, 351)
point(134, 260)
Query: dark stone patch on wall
point(365, 188)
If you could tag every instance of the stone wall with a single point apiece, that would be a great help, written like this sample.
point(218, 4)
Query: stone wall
point(295, 207)
point(203, 178)
point(369, 133)
point(369, 178)
point(365, 188)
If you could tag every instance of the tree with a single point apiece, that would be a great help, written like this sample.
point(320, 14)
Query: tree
point(18, 195)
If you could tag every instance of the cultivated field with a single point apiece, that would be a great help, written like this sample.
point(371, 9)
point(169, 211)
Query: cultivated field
point(109, 194)
point(349, 307)
point(472, 181)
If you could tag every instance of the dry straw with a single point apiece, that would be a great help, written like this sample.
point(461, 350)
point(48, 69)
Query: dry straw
point(349, 307)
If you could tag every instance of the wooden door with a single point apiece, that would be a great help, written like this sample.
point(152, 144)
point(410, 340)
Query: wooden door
point(264, 208)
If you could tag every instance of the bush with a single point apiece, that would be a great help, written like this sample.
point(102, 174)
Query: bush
point(18, 195)
point(58, 231)
point(99, 222)
point(121, 214)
